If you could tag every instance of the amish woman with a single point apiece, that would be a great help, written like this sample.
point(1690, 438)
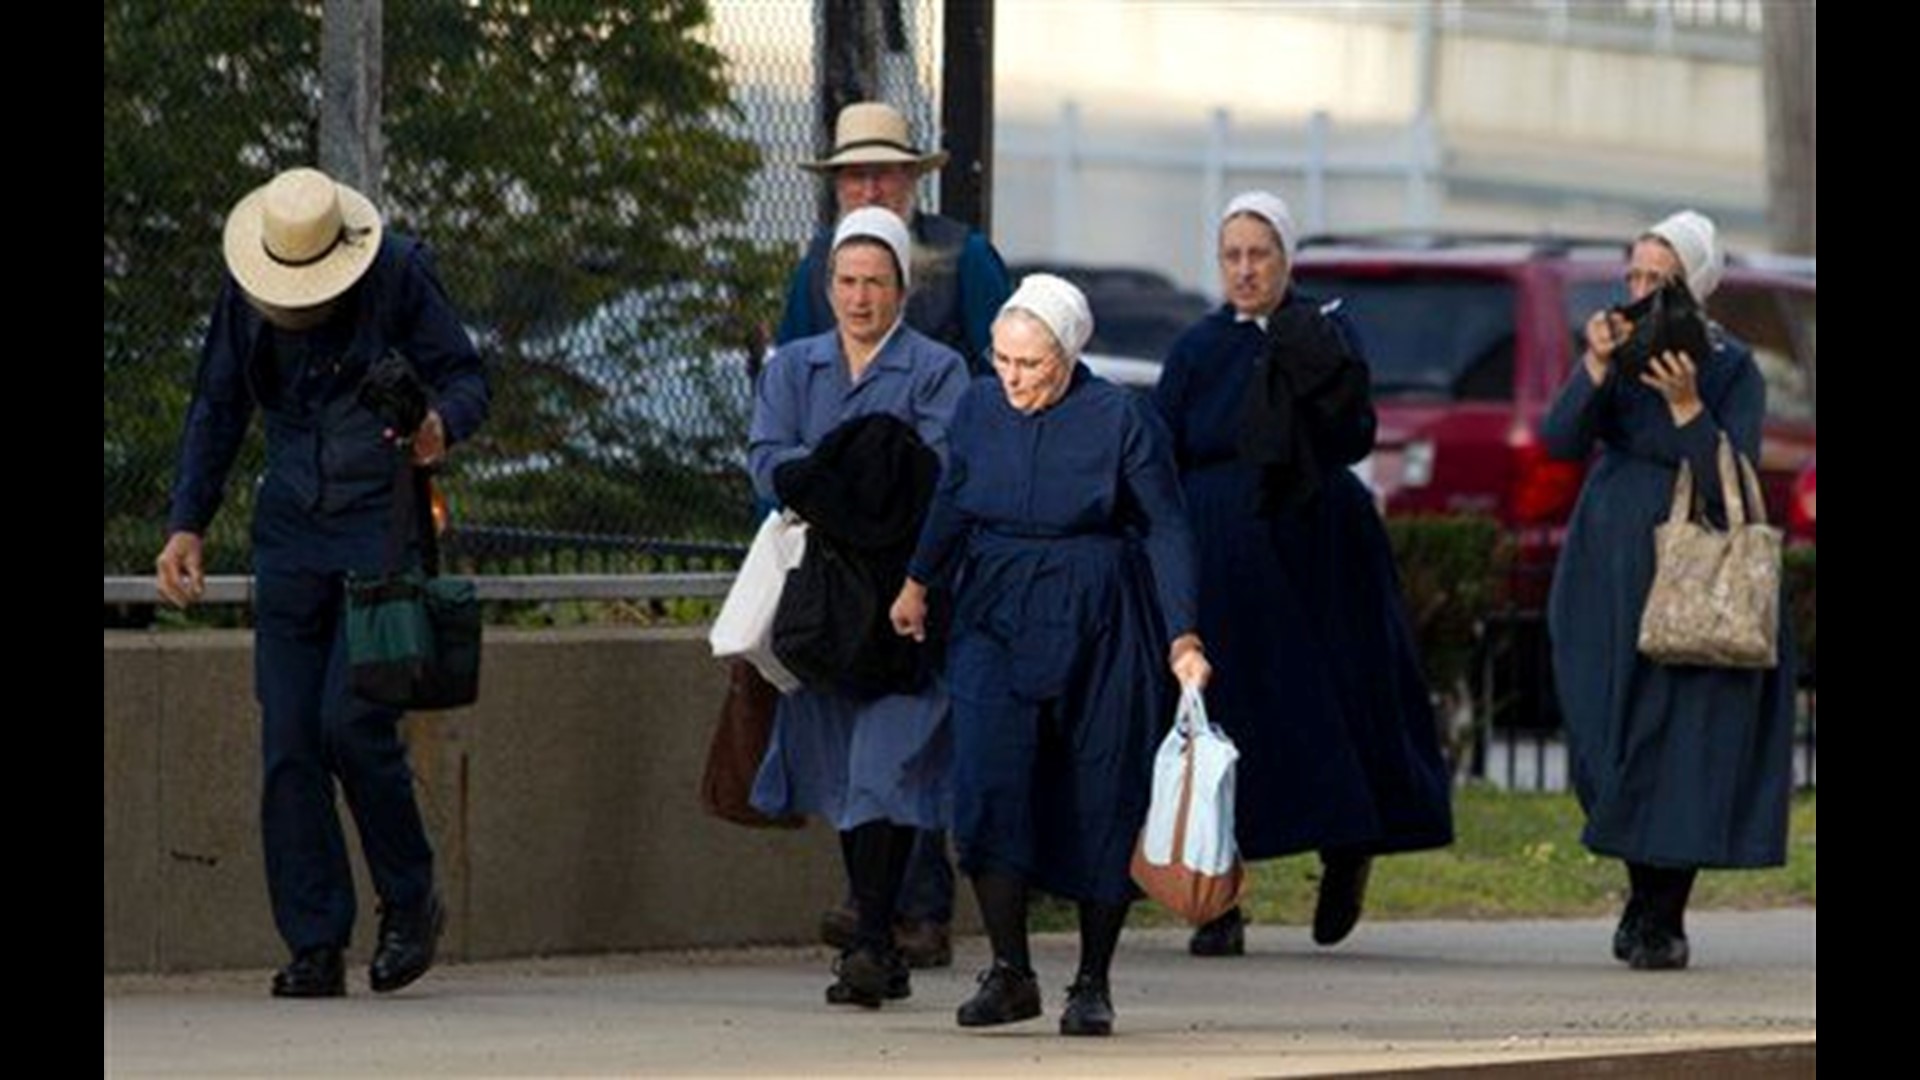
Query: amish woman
point(1059, 518)
point(876, 767)
point(1677, 767)
point(1319, 683)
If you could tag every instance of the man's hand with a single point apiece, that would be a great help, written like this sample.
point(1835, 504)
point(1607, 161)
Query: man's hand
point(178, 570)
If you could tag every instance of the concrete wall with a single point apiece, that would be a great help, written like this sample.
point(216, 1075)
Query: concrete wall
point(563, 807)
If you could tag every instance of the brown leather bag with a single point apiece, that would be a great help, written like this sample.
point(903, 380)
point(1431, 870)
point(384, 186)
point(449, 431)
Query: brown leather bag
point(739, 742)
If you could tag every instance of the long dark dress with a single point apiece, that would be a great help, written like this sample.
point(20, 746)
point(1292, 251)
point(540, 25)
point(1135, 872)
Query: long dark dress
point(1073, 574)
point(1316, 675)
point(1676, 766)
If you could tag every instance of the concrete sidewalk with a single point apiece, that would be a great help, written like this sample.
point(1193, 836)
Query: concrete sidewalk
point(1395, 996)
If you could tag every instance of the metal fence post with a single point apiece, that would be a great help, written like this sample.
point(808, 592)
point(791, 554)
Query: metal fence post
point(1065, 149)
point(351, 149)
point(1319, 127)
point(1213, 195)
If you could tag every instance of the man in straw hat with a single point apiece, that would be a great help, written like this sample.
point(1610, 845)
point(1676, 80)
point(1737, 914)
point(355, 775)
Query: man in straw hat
point(315, 292)
point(959, 283)
point(959, 279)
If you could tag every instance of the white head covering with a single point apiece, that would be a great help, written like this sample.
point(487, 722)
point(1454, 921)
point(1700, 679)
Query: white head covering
point(1059, 304)
point(1271, 208)
point(1692, 236)
point(883, 225)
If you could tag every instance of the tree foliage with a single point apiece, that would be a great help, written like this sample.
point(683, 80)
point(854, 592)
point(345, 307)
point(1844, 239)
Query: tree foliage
point(577, 169)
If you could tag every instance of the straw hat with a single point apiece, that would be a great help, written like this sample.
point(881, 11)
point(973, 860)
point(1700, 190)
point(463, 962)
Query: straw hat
point(874, 133)
point(301, 239)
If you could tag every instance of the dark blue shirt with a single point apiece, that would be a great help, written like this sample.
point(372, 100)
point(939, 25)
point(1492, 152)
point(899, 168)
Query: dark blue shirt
point(324, 449)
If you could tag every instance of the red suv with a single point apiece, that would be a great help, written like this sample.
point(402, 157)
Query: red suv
point(1469, 339)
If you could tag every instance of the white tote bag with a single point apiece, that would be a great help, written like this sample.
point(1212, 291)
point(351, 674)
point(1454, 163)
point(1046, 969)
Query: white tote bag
point(745, 625)
point(1186, 857)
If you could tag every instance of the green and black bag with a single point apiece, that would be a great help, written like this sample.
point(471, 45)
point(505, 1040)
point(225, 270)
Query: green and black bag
point(413, 637)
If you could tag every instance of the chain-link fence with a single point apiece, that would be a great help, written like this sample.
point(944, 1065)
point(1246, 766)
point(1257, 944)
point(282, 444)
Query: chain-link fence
point(613, 197)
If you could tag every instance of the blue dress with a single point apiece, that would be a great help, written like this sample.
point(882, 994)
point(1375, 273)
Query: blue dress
point(1317, 677)
point(1066, 538)
point(852, 761)
point(1675, 766)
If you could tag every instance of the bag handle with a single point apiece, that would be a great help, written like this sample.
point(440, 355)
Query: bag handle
point(1192, 713)
point(1737, 477)
point(410, 495)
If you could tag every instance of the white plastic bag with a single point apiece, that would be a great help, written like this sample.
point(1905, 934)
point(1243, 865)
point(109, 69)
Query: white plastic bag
point(744, 627)
point(1186, 857)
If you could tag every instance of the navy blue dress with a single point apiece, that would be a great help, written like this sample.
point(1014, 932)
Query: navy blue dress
point(1676, 766)
point(1068, 544)
point(1316, 674)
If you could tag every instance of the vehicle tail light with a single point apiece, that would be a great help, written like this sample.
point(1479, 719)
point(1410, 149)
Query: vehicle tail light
point(1544, 489)
point(1800, 510)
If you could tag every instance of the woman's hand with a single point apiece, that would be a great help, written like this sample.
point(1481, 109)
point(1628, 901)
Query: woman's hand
point(1606, 331)
point(909, 612)
point(1677, 380)
point(1189, 662)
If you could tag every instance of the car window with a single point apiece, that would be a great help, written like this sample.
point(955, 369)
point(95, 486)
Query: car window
point(1758, 315)
point(1428, 334)
point(1582, 299)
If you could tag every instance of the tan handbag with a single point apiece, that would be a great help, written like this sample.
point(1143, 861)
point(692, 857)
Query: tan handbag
point(1715, 600)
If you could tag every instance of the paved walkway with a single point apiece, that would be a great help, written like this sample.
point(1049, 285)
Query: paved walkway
point(1397, 995)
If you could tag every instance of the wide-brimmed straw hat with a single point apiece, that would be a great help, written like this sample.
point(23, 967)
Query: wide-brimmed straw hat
point(301, 239)
point(874, 133)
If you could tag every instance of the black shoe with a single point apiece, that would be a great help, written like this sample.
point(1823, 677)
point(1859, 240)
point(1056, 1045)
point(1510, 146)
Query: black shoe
point(840, 926)
point(314, 973)
point(1007, 995)
point(1629, 928)
point(866, 978)
point(1224, 936)
point(925, 943)
point(1656, 950)
point(1343, 890)
point(1089, 1008)
point(408, 940)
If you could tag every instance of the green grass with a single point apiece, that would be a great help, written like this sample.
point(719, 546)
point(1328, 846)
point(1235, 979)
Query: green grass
point(1515, 855)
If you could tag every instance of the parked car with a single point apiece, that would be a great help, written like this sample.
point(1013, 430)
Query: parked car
point(1800, 508)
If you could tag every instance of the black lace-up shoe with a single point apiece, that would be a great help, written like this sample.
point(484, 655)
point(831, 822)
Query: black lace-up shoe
point(1007, 995)
point(865, 977)
point(1089, 1008)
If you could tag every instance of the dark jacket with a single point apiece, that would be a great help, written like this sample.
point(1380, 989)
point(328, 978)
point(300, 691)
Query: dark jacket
point(1306, 405)
point(324, 449)
point(863, 492)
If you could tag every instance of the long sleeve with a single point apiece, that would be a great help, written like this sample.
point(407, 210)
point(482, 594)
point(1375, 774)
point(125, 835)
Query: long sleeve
point(947, 525)
point(1574, 422)
point(217, 417)
point(1170, 397)
point(775, 436)
point(936, 395)
point(984, 287)
point(1738, 409)
point(441, 349)
point(1153, 481)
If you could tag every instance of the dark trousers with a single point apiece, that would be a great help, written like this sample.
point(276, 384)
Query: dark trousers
point(315, 731)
